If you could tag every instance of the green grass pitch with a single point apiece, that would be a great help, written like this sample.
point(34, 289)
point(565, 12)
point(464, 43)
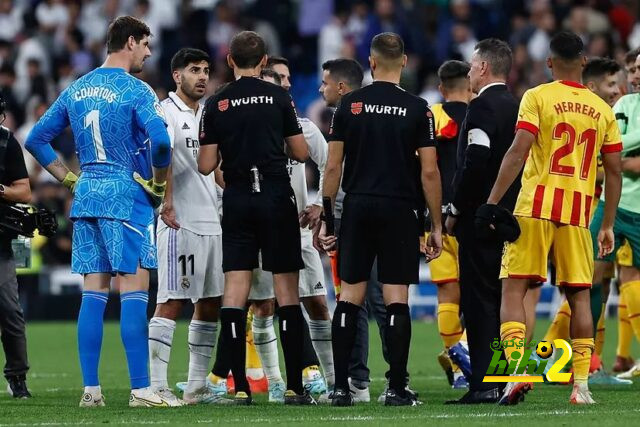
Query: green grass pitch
point(56, 383)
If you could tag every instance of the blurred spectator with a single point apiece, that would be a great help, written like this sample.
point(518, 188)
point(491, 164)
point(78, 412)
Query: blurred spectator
point(10, 20)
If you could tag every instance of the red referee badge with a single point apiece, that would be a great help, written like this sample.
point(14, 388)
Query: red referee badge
point(356, 107)
point(223, 105)
point(202, 135)
point(429, 114)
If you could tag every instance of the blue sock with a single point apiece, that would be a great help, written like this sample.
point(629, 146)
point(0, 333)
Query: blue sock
point(135, 335)
point(90, 323)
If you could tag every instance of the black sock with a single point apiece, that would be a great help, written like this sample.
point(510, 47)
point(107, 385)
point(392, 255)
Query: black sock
point(234, 326)
point(343, 334)
point(309, 357)
point(398, 333)
point(222, 364)
point(291, 326)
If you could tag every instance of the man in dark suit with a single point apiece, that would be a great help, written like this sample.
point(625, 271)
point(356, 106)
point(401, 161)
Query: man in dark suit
point(486, 135)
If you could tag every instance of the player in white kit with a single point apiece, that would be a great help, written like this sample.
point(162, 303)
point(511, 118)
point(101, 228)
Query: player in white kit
point(189, 238)
point(311, 283)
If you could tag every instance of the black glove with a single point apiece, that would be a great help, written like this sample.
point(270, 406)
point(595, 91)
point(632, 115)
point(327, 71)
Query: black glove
point(505, 225)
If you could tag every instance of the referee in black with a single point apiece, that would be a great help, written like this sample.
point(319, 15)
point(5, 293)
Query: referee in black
point(486, 135)
point(244, 125)
point(377, 131)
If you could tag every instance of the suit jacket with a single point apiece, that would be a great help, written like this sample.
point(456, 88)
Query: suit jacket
point(495, 111)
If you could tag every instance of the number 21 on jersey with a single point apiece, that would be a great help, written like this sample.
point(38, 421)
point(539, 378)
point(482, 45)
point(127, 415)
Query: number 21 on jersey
point(92, 120)
point(586, 138)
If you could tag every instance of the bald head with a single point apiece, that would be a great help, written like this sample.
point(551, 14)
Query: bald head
point(387, 51)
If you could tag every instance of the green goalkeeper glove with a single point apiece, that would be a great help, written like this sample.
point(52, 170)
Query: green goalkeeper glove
point(155, 190)
point(69, 181)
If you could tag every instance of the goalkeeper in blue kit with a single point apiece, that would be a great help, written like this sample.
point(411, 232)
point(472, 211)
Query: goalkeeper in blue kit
point(124, 150)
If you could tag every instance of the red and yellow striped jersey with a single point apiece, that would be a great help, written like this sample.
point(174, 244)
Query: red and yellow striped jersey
point(571, 125)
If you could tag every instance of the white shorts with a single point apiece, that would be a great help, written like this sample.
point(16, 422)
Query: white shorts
point(189, 265)
point(311, 281)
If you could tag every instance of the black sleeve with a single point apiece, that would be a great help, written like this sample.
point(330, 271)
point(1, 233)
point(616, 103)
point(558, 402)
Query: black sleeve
point(469, 179)
point(426, 136)
point(481, 116)
point(291, 125)
point(336, 130)
point(15, 168)
point(207, 126)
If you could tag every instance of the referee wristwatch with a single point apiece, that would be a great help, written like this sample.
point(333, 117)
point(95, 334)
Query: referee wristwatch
point(452, 211)
point(2, 188)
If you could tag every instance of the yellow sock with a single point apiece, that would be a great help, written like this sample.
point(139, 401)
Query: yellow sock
point(599, 341)
point(582, 348)
point(512, 331)
point(253, 360)
point(632, 296)
point(214, 378)
point(625, 333)
point(559, 329)
point(449, 324)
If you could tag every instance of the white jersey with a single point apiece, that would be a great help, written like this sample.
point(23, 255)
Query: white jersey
point(194, 195)
point(318, 150)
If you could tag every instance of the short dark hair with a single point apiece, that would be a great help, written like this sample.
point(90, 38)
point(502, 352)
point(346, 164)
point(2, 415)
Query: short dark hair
point(389, 46)
point(347, 70)
point(597, 68)
point(186, 56)
point(498, 55)
point(566, 45)
point(632, 55)
point(268, 72)
point(122, 28)
point(451, 73)
point(277, 60)
point(247, 49)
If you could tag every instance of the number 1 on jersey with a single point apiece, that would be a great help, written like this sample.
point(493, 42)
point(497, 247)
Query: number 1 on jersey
point(93, 120)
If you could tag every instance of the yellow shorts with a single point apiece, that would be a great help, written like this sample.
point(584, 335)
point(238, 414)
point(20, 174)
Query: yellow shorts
point(624, 256)
point(570, 248)
point(444, 269)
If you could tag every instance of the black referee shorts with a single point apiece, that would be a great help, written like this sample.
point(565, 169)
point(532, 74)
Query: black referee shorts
point(266, 222)
point(378, 227)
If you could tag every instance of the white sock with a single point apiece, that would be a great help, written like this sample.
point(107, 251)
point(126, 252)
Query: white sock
point(94, 390)
point(202, 339)
point(264, 338)
point(320, 332)
point(160, 340)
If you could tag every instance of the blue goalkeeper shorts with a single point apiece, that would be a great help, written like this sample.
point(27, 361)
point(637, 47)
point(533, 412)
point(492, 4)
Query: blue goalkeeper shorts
point(104, 245)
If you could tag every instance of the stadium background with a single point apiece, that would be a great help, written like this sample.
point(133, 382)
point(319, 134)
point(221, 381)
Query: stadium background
point(45, 45)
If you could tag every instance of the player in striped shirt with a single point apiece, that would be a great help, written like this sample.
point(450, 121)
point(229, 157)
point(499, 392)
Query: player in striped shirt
point(561, 127)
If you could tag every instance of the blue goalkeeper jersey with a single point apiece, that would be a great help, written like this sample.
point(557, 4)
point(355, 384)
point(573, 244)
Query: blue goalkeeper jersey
point(110, 113)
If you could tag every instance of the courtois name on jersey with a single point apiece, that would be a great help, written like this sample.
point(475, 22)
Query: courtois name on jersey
point(108, 110)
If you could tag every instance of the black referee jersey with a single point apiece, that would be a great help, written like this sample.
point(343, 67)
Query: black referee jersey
point(381, 126)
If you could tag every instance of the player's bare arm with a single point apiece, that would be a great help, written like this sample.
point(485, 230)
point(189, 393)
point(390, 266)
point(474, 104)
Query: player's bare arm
point(512, 164)
point(612, 188)
point(207, 158)
point(432, 189)
point(332, 176)
point(62, 173)
point(297, 148)
point(167, 213)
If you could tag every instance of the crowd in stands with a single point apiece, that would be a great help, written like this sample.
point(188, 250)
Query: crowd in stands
point(46, 44)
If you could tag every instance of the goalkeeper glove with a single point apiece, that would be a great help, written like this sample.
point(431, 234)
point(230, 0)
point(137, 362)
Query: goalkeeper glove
point(69, 181)
point(155, 190)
